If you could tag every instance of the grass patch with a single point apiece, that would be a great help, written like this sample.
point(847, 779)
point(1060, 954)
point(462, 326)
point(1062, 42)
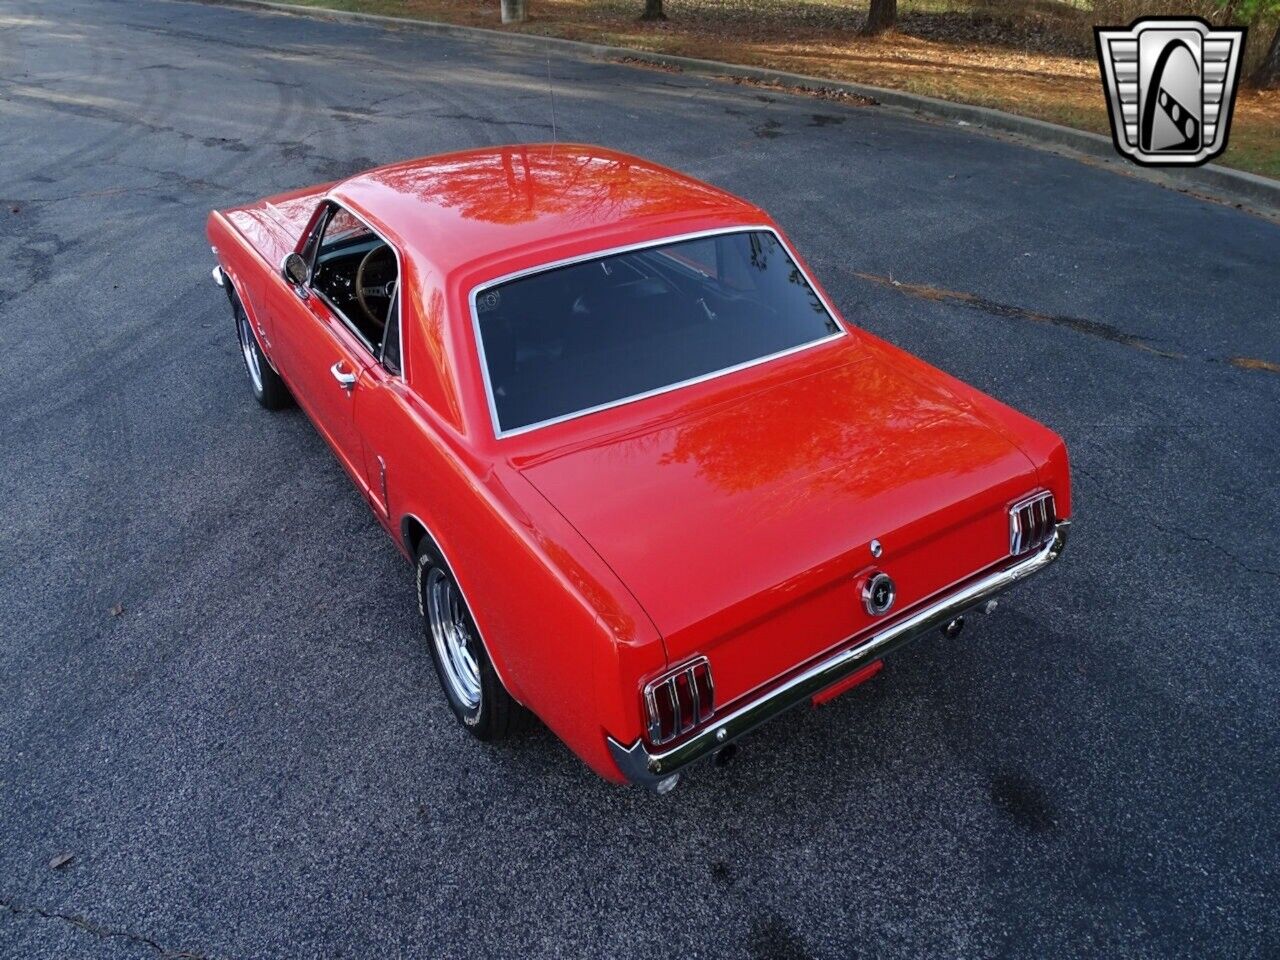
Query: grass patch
point(1031, 57)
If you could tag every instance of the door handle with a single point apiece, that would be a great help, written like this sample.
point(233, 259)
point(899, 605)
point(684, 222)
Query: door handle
point(346, 381)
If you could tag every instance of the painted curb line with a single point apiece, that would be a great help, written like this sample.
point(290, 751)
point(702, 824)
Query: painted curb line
point(1212, 181)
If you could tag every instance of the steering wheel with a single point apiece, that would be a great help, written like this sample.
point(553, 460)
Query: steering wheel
point(376, 282)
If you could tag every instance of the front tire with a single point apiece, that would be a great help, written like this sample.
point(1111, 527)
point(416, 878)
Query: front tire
point(471, 685)
point(267, 386)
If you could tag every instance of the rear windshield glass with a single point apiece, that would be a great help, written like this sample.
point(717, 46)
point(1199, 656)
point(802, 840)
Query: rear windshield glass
point(568, 340)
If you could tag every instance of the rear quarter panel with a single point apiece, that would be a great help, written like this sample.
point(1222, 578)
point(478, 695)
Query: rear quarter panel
point(562, 631)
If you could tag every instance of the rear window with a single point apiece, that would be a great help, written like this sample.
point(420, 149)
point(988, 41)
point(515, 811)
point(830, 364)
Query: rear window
point(599, 332)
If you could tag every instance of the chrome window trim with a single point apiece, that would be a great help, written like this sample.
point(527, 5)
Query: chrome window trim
point(346, 321)
point(479, 288)
point(399, 341)
point(318, 226)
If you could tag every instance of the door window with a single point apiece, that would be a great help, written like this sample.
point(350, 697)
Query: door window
point(357, 275)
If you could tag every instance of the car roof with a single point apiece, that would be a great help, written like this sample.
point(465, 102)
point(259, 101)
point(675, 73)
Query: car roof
point(459, 208)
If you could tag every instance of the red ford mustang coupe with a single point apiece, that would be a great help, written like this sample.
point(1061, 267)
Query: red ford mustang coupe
point(655, 488)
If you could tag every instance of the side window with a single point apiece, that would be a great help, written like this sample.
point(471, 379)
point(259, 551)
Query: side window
point(343, 226)
point(313, 238)
point(355, 272)
point(391, 342)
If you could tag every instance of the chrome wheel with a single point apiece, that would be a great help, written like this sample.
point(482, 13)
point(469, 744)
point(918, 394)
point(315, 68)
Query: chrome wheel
point(249, 347)
point(454, 640)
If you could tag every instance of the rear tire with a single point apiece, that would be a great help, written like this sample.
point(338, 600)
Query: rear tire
point(267, 386)
point(471, 685)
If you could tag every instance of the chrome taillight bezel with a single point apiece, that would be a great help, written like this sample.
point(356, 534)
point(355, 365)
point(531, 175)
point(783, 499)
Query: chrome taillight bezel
point(1031, 522)
point(686, 686)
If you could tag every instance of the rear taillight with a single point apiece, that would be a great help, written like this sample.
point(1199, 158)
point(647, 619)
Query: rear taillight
point(1031, 522)
point(679, 700)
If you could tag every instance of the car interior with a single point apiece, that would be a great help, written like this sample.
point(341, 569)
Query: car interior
point(356, 272)
point(579, 336)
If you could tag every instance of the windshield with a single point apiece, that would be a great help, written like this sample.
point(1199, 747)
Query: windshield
point(598, 332)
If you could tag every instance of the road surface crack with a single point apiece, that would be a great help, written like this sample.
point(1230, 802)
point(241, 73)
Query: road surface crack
point(1093, 328)
point(18, 909)
point(491, 120)
point(1179, 531)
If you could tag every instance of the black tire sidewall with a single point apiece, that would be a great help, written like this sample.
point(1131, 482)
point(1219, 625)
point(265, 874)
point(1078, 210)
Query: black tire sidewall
point(243, 324)
point(273, 395)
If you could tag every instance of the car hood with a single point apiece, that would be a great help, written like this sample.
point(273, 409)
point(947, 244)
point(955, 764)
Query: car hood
point(745, 524)
point(273, 225)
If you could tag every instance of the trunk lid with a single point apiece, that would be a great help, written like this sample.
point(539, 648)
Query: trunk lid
point(744, 527)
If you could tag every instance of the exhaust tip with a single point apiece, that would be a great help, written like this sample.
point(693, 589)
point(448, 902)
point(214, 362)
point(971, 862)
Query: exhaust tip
point(667, 784)
point(724, 756)
point(952, 629)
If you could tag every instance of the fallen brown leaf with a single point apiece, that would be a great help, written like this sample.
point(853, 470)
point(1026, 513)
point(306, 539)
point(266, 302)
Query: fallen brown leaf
point(1252, 363)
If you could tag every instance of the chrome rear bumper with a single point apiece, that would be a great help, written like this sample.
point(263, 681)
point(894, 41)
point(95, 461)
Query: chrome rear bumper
point(641, 766)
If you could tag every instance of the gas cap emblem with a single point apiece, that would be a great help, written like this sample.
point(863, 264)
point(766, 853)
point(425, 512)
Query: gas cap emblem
point(878, 594)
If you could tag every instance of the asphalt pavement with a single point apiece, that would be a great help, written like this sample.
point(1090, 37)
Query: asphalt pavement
point(213, 691)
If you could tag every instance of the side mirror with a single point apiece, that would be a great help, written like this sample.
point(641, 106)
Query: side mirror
point(294, 269)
